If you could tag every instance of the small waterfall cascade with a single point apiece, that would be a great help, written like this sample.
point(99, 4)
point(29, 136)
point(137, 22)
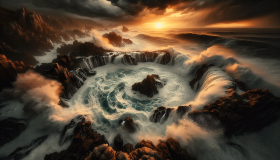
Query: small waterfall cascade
point(211, 77)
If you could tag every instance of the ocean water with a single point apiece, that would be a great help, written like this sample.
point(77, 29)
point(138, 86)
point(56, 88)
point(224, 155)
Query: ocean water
point(249, 55)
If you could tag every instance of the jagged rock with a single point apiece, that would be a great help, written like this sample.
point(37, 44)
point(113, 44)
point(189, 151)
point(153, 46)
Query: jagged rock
point(129, 125)
point(250, 112)
point(122, 156)
point(182, 110)
point(65, 136)
point(118, 142)
point(9, 71)
point(149, 86)
point(166, 58)
point(10, 128)
point(16, 55)
point(102, 152)
point(144, 153)
point(84, 142)
point(160, 114)
point(171, 149)
point(117, 40)
point(127, 148)
point(176, 151)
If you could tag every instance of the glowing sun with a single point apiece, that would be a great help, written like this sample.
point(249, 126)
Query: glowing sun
point(159, 25)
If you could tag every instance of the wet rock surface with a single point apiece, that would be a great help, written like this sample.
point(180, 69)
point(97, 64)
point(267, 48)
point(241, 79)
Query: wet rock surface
point(149, 86)
point(161, 114)
point(247, 113)
point(83, 143)
point(128, 125)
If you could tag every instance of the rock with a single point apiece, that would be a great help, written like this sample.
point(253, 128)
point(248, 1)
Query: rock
point(10, 128)
point(182, 110)
point(144, 153)
point(248, 113)
point(84, 142)
point(176, 151)
point(102, 152)
point(117, 40)
point(122, 156)
point(16, 55)
point(9, 71)
point(129, 125)
point(160, 114)
point(127, 148)
point(149, 86)
point(166, 58)
point(118, 142)
point(65, 136)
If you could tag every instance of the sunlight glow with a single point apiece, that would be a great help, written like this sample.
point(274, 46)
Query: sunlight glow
point(159, 25)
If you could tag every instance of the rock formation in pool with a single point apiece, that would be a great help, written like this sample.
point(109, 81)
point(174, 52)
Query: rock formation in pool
point(149, 86)
point(117, 40)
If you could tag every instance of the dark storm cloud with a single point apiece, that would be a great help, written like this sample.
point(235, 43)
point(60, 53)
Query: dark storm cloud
point(89, 8)
point(237, 10)
point(126, 10)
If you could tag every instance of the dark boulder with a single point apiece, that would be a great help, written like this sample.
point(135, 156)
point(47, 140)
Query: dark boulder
point(160, 114)
point(128, 148)
point(149, 86)
point(182, 110)
point(118, 142)
point(129, 125)
point(176, 151)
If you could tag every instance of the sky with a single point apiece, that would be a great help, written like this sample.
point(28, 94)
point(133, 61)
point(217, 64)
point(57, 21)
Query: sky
point(170, 13)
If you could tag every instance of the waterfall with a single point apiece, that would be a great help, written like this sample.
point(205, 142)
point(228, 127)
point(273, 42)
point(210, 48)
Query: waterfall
point(211, 77)
point(159, 58)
